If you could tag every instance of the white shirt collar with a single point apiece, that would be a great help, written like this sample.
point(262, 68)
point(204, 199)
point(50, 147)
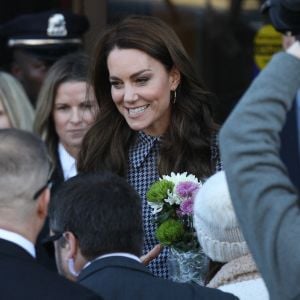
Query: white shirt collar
point(123, 254)
point(67, 161)
point(19, 240)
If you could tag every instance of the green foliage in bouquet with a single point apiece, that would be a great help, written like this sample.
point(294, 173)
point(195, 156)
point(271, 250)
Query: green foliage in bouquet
point(169, 232)
point(158, 191)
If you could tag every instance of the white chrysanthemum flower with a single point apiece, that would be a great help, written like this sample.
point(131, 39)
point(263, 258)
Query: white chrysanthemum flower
point(179, 177)
point(173, 198)
point(156, 207)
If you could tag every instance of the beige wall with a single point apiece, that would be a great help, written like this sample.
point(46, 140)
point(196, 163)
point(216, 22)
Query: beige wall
point(95, 10)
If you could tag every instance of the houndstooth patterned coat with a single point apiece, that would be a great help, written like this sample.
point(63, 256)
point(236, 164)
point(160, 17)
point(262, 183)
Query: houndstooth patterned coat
point(142, 173)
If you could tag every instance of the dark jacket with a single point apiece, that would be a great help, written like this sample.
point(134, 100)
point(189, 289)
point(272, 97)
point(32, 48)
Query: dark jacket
point(58, 175)
point(124, 278)
point(289, 150)
point(21, 277)
point(45, 253)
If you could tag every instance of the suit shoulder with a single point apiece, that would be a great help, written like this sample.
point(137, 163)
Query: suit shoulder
point(24, 278)
point(189, 291)
point(212, 294)
point(72, 290)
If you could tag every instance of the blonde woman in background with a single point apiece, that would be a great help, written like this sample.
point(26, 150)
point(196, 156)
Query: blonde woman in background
point(15, 108)
point(65, 111)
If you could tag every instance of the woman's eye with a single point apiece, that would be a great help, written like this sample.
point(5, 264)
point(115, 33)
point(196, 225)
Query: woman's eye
point(116, 84)
point(87, 105)
point(62, 108)
point(142, 80)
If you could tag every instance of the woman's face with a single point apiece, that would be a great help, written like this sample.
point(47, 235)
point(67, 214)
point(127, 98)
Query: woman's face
point(4, 119)
point(141, 88)
point(73, 114)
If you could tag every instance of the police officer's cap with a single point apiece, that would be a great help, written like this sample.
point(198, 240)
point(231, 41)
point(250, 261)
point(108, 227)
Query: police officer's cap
point(55, 27)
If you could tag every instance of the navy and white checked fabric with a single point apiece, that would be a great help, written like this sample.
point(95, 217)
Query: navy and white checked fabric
point(142, 172)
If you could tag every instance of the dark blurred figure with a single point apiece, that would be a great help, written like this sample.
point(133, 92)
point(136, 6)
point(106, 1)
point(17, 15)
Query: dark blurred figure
point(290, 138)
point(227, 60)
point(35, 41)
point(290, 134)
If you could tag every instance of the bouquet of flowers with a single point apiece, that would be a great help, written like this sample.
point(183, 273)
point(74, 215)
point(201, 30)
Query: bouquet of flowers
point(172, 199)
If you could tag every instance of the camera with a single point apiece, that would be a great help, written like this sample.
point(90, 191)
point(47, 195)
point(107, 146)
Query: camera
point(284, 15)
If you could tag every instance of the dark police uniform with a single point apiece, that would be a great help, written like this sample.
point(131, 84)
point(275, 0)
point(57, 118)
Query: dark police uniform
point(35, 41)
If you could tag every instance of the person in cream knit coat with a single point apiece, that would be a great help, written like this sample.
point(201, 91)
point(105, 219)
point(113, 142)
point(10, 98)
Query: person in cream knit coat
point(222, 241)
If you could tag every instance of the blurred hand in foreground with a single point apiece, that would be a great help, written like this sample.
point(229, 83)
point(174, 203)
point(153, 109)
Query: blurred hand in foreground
point(152, 254)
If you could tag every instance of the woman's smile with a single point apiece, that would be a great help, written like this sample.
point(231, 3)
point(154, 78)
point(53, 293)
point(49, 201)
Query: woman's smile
point(137, 111)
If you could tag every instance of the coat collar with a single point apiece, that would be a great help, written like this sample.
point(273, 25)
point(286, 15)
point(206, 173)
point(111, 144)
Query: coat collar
point(141, 148)
point(115, 261)
point(10, 249)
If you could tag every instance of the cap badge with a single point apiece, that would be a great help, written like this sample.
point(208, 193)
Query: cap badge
point(57, 25)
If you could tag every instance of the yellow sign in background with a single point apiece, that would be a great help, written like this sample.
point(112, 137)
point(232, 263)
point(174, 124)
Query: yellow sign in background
point(267, 42)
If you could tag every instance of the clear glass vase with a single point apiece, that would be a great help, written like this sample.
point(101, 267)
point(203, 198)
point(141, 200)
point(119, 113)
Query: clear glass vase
point(187, 266)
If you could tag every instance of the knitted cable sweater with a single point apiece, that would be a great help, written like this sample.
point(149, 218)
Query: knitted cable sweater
point(241, 278)
point(237, 270)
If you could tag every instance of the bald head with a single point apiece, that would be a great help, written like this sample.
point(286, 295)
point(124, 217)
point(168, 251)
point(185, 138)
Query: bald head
point(24, 166)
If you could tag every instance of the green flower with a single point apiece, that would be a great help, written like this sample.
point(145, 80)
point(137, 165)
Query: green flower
point(158, 191)
point(169, 232)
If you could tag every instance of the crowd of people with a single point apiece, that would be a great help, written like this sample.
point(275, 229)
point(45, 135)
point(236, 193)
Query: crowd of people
point(80, 150)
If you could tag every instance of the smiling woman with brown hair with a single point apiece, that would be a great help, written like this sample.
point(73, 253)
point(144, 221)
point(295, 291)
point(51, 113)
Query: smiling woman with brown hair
point(154, 113)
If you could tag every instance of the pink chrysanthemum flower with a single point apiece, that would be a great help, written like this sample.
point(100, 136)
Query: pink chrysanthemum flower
point(186, 188)
point(186, 207)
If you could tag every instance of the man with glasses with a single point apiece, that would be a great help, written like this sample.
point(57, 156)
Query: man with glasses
point(24, 196)
point(96, 222)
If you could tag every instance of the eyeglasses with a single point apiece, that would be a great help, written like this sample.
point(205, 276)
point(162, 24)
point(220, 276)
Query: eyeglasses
point(55, 236)
point(52, 238)
point(39, 192)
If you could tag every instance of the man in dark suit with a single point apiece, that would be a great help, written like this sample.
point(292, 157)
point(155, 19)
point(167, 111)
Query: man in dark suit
point(96, 220)
point(24, 196)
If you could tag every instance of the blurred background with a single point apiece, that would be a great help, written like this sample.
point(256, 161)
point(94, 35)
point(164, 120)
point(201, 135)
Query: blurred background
point(228, 40)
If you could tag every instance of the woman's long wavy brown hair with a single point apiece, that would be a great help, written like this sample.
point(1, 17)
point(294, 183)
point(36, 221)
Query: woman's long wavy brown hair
point(186, 146)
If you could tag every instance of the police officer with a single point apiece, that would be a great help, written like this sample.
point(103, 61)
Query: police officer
point(35, 41)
